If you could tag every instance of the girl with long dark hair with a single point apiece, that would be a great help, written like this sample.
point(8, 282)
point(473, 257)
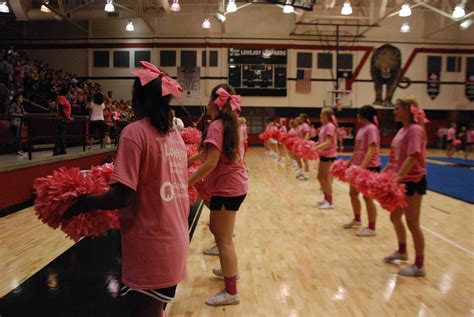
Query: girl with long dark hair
point(149, 187)
point(225, 179)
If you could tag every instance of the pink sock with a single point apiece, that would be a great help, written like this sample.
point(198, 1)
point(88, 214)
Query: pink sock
point(329, 199)
point(230, 285)
point(372, 225)
point(357, 217)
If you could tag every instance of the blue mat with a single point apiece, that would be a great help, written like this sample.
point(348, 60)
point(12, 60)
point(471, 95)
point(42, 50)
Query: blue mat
point(452, 181)
point(453, 160)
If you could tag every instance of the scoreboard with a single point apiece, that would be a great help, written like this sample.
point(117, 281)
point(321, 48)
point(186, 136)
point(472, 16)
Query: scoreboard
point(258, 72)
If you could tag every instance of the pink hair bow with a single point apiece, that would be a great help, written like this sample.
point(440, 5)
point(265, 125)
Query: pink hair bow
point(417, 113)
point(222, 98)
point(150, 72)
point(333, 119)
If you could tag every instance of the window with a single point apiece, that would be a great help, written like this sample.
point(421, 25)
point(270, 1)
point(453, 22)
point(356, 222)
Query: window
point(453, 64)
point(304, 60)
point(167, 58)
point(213, 58)
point(345, 61)
point(188, 58)
point(470, 65)
point(122, 59)
point(325, 60)
point(141, 56)
point(101, 58)
point(434, 64)
point(204, 58)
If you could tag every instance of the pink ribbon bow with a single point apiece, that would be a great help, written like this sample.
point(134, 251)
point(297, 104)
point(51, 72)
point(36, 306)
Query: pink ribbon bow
point(169, 86)
point(334, 120)
point(417, 114)
point(222, 98)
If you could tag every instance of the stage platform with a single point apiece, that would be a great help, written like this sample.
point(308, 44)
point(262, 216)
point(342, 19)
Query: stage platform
point(17, 173)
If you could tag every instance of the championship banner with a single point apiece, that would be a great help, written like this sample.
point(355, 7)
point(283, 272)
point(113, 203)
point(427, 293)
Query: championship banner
point(433, 85)
point(469, 89)
point(189, 79)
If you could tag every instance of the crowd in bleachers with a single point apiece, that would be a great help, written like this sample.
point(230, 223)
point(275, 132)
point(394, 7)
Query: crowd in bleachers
point(42, 85)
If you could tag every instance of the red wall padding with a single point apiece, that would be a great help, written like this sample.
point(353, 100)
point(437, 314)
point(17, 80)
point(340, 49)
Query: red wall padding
point(17, 185)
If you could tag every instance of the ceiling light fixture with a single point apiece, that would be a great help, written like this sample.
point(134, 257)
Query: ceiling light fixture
point(4, 8)
point(459, 11)
point(405, 28)
point(288, 8)
point(44, 8)
point(175, 7)
point(220, 16)
point(130, 27)
point(206, 24)
point(465, 24)
point(231, 6)
point(346, 9)
point(405, 11)
point(109, 7)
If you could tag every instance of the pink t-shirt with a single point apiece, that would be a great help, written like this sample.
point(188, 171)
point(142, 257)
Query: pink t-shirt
point(451, 134)
point(154, 227)
point(470, 136)
point(328, 131)
point(243, 132)
point(228, 179)
point(283, 129)
point(302, 130)
point(367, 135)
point(409, 141)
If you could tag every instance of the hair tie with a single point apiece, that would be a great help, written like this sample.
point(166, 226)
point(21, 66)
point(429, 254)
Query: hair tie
point(417, 114)
point(223, 96)
point(150, 72)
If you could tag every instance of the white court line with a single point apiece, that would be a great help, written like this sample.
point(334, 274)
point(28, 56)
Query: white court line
point(436, 234)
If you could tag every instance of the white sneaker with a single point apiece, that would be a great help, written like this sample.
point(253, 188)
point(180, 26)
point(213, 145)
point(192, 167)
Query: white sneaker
point(353, 223)
point(302, 177)
point(218, 272)
point(223, 298)
point(212, 251)
point(326, 205)
point(319, 203)
point(412, 270)
point(366, 232)
point(395, 256)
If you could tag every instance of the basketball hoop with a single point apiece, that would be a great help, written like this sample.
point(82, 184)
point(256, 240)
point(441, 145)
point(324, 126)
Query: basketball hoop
point(338, 99)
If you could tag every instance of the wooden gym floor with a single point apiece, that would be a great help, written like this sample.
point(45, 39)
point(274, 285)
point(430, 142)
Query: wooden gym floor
point(294, 259)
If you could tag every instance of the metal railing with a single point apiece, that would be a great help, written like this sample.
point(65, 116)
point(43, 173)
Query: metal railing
point(51, 120)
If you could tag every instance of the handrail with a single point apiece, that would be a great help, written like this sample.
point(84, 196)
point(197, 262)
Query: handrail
point(53, 116)
point(36, 105)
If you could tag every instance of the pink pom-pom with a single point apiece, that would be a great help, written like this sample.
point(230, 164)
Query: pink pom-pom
point(457, 142)
point(56, 193)
point(193, 194)
point(192, 149)
point(265, 136)
point(305, 147)
point(191, 135)
point(338, 169)
point(276, 135)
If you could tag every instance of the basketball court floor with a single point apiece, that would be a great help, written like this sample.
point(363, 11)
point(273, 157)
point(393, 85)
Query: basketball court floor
point(294, 259)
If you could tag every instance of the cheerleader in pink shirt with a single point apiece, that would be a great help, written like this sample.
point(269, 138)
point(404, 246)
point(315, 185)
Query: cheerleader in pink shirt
point(303, 131)
point(281, 147)
point(225, 178)
point(366, 155)
point(149, 186)
point(327, 148)
point(407, 159)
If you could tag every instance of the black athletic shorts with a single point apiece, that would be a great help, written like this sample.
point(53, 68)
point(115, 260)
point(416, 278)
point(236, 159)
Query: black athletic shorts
point(418, 187)
point(327, 159)
point(374, 169)
point(165, 295)
point(229, 203)
point(98, 125)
